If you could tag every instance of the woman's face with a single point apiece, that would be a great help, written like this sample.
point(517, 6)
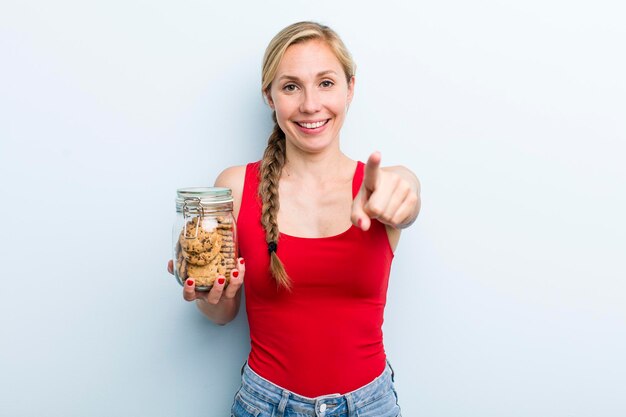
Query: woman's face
point(310, 95)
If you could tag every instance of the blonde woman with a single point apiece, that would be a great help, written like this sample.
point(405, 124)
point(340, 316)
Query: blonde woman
point(318, 231)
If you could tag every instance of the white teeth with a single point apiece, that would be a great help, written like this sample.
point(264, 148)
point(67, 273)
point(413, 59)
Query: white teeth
point(313, 125)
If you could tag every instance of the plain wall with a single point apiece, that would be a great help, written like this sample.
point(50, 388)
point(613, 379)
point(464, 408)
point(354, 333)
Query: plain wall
point(507, 296)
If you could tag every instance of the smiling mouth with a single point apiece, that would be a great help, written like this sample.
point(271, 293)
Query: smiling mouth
point(313, 125)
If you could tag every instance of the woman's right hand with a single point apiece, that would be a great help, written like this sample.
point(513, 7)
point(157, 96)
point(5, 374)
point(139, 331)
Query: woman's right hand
point(220, 291)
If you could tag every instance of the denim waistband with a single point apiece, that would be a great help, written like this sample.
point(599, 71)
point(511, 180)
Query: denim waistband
point(263, 389)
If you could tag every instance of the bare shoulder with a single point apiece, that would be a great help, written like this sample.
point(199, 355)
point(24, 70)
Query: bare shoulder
point(233, 178)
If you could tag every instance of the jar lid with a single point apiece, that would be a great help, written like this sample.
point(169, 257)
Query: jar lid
point(203, 195)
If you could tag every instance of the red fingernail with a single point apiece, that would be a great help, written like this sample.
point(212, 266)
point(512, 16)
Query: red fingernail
point(190, 282)
point(241, 261)
point(235, 273)
point(221, 281)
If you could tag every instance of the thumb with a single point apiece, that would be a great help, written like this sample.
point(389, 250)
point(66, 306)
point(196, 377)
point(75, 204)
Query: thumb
point(189, 289)
point(370, 178)
point(358, 216)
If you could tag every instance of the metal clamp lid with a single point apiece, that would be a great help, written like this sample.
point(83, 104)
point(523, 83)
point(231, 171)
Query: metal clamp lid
point(208, 196)
point(186, 215)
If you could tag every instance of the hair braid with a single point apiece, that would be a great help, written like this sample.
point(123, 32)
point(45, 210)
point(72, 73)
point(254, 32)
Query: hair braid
point(271, 168)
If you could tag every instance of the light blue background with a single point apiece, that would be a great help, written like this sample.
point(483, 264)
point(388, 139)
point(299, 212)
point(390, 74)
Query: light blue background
point(507, 297)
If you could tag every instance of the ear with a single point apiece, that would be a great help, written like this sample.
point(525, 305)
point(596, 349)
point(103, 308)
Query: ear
point(351, 89)
point(268, 97)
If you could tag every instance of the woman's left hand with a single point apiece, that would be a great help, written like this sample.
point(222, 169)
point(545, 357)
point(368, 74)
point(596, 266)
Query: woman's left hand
point(390, 195)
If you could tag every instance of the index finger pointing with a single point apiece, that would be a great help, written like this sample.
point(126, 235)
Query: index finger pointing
point(371, 171)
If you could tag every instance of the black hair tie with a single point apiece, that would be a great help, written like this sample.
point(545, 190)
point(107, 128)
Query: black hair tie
point(271, 247)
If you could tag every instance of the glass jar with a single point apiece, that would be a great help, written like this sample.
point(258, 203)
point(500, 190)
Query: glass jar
point(204, 236)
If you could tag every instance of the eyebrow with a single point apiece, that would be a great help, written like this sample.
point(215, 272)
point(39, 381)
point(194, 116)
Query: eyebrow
point(319, 74)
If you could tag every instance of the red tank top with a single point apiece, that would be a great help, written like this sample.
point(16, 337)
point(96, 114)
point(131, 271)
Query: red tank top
point(325, 336)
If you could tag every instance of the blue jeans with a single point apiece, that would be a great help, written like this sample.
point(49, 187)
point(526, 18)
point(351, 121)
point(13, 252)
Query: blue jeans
point(258, 397)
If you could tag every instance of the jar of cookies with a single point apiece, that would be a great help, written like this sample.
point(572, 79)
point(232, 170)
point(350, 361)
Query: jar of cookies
point(204, 236)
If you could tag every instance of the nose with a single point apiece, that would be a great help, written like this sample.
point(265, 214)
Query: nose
point(311, 102)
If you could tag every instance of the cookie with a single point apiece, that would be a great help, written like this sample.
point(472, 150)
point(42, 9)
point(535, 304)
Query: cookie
point(206, 250)
point(182, 270)
point(205, 256)
point(204, 242)
point(224, 219)
point(200, 259)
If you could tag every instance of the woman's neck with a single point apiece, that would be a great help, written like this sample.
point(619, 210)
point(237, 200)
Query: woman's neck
point(322, 167)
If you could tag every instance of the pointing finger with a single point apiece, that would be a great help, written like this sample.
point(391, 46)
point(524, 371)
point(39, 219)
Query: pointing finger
point(370, 179)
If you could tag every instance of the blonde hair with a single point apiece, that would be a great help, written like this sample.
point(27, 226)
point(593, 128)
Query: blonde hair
point(274, 156)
